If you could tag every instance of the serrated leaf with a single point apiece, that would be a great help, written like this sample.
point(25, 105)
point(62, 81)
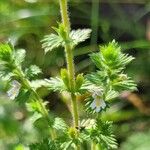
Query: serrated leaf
point(96, 78)
point(34, 106)
point(126, 84)
point(65, 77)
point(39, 83)
point(23, 96)
point(56, 84)
point(51, 42)
point(79, 81)
point(79, 35)
point(110, 57)
point(32, 71)
point(35, 117)
point(97, 60)
point(102, 134)
point(111, 95)
point(46, 144)
point(59, 124)
point(5, 52)
point(19, 56)
point(5, 74)
point(66, 145)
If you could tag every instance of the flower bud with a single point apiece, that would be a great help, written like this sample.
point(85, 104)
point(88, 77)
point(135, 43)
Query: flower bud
point(72, 132)
point(79, 81)
point(65, 77)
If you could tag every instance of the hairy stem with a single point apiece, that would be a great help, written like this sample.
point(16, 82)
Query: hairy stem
point(70, 61)
point(64, 14)
point(44, 111)
point(70, 64)
point(93, 145)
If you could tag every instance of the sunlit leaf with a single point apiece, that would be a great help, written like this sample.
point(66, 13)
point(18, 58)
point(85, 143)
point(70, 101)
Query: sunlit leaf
point(79, 35)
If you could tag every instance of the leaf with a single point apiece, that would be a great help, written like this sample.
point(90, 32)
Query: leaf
point(88, 123)
point(59, 124)
point(46, 144)
point(111, 58)
point(5, 74)
point(80, 35)
point(56, 84)
point(23, 96)
point(62, 31)
point(79, 81)
point(34, 106)
point(5, 52)
point(51, 42)
point(32, 71)
point(111, 95)
point(19, 56)
point(102, 134)
point(125, 59)
point(65, 77)
point(39, 83)
point(97, 78)
point(97, 60)
point(35, 117)
point(125, 84)
point(66, 145)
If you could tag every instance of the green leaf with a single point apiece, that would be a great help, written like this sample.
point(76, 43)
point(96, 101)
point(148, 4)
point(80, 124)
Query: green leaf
point(5, 74)
point(33, 71)
point(111, 95)
point(66, 145)
point(5, 52)
point(65, 77)
point(35, 117)
point(59, 124)
point(39, 83)
point(56, 84)
point(23, 96)
point(120, 84)
point(97, 60)
point(62, 31)
point(98, 78)
point(20, 147)
point(79, 81)
point(102, 134)
point(19, 56)
point(34, 106)
point(46, 144)
point(111, 58)
point(79, 35)
point(51, 42)
point(88, 123)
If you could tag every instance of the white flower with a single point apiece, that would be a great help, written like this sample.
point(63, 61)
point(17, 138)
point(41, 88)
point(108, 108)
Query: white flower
point(14, 90)
point(98, 103)
point(96, 92)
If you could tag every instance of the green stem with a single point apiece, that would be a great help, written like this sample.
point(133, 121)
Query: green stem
point(93, 145)
point(44, 111)
point(64, 14)
point(75, 110)
point(70, 61)
point(70, 64)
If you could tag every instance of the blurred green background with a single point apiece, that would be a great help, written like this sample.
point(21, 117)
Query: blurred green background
point(25, 22)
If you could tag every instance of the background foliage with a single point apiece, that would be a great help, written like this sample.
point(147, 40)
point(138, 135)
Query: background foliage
point(25, 23)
